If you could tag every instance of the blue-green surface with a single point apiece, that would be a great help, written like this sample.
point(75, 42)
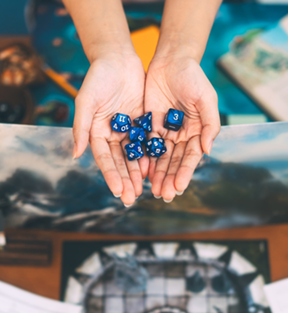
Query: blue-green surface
point(231, 20)
point(12, 19)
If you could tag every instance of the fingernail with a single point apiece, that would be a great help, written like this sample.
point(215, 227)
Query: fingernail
point(127, 205)
point(157, 197)
point(167, 201)
point(179, 193)
point(210, 147)
point(117, 196)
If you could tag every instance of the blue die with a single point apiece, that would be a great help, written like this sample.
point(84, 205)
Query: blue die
point(155, 147)
point(121, 122)
point(173, 119)
point(145, 121)
point(134, 151)
point(137, 134)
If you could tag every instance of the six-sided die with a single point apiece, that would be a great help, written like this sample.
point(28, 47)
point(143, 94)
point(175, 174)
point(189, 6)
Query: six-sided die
point(173, 119)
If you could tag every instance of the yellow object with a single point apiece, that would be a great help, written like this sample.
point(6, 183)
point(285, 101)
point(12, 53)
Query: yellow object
point(60, 81)
point(145, 42)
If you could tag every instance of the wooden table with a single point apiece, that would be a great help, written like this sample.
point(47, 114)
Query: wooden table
point(46, 280)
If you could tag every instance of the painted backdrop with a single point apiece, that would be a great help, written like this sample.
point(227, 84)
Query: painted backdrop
point(243, 182)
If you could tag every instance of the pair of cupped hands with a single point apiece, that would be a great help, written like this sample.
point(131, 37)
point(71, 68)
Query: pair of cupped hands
point(118, 83)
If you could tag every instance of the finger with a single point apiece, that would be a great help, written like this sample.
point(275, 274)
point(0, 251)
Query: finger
point(82, 124)
point(192, 156)
point(152, 167)
point(128, 194)
point(152, 160)
point(105, 162)
point(168, 189)
point(161, 169)
point(144, 166)
point(134, 171)
point(208, 109)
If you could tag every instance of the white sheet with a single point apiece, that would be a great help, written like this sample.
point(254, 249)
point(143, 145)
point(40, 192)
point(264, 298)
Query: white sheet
point(15, 300)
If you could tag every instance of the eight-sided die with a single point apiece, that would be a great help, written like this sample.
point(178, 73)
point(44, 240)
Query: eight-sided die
point(155, 147)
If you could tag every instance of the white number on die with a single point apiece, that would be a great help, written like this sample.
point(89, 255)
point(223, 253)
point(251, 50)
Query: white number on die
point(122, 119)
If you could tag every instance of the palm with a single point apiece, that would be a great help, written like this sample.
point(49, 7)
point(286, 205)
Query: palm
point(112, 86)
point(181, 85)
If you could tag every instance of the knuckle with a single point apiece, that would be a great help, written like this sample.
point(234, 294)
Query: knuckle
point(214, 96)
point(218, 128)
point(176, 160)
point(79, 99)
point(120, 163)
point(75, 130)
point(193, 153)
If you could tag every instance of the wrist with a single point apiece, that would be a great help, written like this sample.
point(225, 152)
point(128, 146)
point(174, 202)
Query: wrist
point(109, 49)
point(175, 45)
point(117, 58)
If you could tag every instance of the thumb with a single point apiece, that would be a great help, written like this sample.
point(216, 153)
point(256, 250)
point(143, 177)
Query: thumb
point(82, 124)
point(209, 114)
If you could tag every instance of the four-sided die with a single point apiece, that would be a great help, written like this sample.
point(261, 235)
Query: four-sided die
point(145, 121)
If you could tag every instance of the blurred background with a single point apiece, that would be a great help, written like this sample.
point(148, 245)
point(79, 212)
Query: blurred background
point(42, 63)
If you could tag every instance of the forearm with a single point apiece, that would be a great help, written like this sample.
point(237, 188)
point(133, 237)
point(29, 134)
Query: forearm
point(101, 26)
point(186, 26)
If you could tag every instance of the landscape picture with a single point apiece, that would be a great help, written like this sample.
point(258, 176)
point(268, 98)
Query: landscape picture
point(243, 182)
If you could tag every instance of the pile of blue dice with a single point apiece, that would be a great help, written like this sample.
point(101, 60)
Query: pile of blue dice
point(155, 147)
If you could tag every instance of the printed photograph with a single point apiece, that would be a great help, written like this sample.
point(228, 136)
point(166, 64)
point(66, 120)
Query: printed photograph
point(244, 182)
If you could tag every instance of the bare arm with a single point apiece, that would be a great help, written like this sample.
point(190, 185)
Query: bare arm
point(101, 25)
point(175, 80)
point(186, 26)
point(113, 84)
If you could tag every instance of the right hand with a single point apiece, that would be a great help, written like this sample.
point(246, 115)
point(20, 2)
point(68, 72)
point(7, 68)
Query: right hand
point(113, 84)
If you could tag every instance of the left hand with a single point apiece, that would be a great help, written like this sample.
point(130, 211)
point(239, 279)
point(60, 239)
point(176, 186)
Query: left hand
point(177, 81)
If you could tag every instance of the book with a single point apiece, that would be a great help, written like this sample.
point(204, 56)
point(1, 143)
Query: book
point(145, 42)
point(258, 63)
